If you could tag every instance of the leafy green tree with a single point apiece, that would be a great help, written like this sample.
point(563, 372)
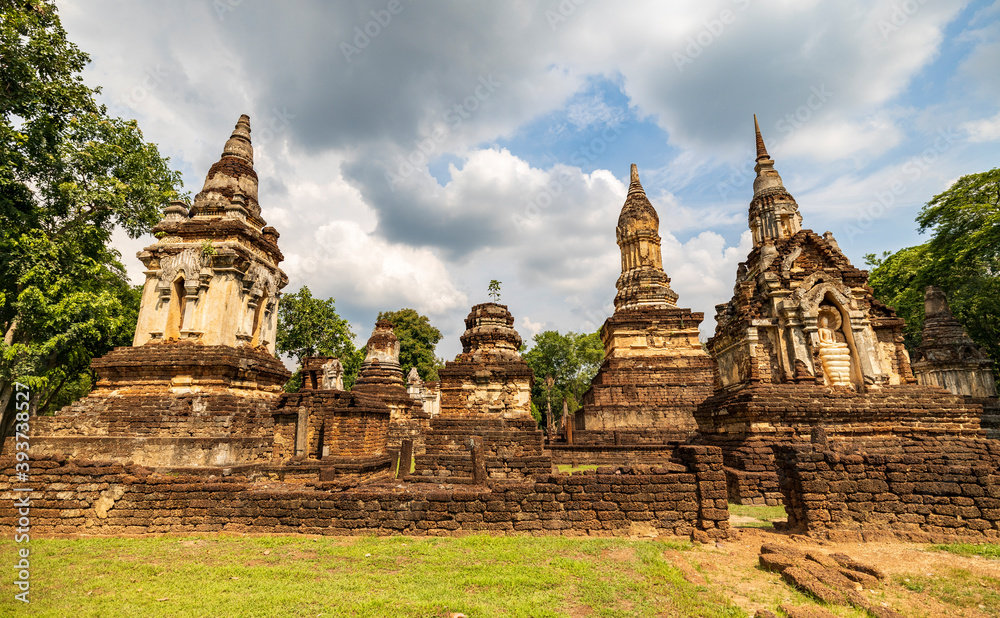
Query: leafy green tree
point(962, 257)
point(69, 174)
point(494, 290)
point(571, 360)
point(417, 339)
point(310, 326)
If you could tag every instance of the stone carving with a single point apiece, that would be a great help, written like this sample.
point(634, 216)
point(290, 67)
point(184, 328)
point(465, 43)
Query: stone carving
point(834, 353)
point(188, 262)
point(333, 375)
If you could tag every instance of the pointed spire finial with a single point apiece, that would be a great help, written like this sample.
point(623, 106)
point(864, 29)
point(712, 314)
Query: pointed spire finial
point(238, 144)
point(761, 150)
point(634, 184)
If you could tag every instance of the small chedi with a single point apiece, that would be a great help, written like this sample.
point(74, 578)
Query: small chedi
point(804, 348)
point(325, 431)
point(199, 383)
point(947, 357)
point(382, 377)
point(486, 398)
point(655, 371)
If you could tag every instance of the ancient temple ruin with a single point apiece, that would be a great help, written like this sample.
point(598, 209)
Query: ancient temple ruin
point(655, 371)
point(813, 405)
point(382, 377)
point(804, 349)
point(200, 386)
point(199, 383)
point(801, 312)
point(949, 358)
point(213, 275)
point(486, 395)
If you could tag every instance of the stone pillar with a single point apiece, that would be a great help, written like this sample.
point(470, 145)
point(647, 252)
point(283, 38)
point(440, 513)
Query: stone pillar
point(302, 432)
point(405, 459)
point(478, 459)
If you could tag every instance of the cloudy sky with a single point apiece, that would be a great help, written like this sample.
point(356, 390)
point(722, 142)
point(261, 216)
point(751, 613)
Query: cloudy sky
point(410, 151)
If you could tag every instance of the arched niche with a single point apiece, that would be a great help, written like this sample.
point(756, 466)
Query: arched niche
point(837, 348)
point(175, 310)
point(258, 318)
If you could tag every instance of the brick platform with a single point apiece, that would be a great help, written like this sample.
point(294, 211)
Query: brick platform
point(939, 489)
point(748, 424)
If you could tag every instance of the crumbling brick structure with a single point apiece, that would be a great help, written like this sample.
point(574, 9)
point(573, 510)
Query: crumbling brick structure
point(683, 497)
point(199, 382)
point(803, 346)
point(655, 372)
point(486, 393)
point(949, 358)
point(382, 377)
point(934, 488)
point(346, 432)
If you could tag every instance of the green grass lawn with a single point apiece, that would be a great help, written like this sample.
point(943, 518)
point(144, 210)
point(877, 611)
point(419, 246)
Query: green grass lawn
point(570, 468)
point(479, 576)
point(959, 588)
point(762, 516)
point(987, 550)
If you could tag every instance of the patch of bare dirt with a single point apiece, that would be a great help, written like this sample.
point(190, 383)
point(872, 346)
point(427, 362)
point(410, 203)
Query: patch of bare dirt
point(731, 567)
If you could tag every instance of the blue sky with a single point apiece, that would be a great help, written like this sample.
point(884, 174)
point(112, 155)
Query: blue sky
point(409, 152)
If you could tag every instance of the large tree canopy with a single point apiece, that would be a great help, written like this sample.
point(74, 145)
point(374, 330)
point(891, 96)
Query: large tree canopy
point(310, 326)
point(962, 257)
point(571, 360)
point(417, 339)
point(69, 174)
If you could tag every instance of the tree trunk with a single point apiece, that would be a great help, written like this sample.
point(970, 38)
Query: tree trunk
point(6, 413)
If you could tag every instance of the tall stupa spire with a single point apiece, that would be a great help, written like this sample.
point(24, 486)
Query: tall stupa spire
point(643, 282)
point(774, 214)
point(231, 183)
point(238, 144)
point(761, 150)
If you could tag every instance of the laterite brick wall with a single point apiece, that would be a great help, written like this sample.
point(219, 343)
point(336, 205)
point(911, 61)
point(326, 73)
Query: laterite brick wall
point(937, 489)
point(73, 497)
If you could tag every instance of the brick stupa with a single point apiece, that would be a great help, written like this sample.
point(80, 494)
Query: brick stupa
point(805, 350)
point(382, 377)
point(199, 383)
point(949, 358)
point(486, 393)
point(655, 372)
